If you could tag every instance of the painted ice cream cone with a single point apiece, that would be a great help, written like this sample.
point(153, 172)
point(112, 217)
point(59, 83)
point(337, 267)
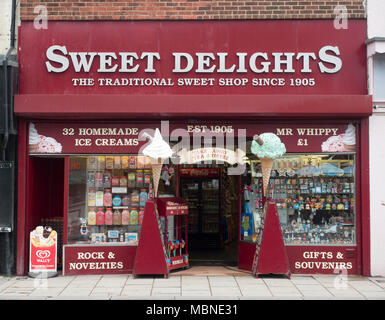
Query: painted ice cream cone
point(267, 164)
point(267, 147)
point(349, 138)
point(157, 150)
point(156, 171)
point(34, 139)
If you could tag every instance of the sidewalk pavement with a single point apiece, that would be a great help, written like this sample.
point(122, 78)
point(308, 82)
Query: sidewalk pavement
point(202, 287)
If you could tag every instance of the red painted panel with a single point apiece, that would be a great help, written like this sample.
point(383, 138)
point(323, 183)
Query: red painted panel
point(21, 258)
point(127, 137)
point(151, 253)
point(271, 256)
point(245, 255)
point(322, 259)
point(108, 106)
point(168, 37)
point(308, 259)
point(363, 190)
point(92, 259)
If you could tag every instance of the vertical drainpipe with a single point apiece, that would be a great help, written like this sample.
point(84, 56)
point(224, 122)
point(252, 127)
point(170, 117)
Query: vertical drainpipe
point(4, 142)
point(9, 256)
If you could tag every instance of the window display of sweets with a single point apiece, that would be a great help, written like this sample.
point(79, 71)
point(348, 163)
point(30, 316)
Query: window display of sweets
point(117, 189)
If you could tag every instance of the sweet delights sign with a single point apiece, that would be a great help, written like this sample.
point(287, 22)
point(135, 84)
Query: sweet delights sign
point(247, 57)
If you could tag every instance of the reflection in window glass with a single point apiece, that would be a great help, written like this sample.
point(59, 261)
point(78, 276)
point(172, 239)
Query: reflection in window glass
point(315, 197)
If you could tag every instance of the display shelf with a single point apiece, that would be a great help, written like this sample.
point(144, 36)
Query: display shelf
point(177, 247)
point(117, 188)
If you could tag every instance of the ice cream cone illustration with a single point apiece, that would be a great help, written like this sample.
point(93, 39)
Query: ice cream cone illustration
point(349, 138)
point(158, 150)
point(156, 171)
point(267, 147)
point(34, 139)
point(267, 164)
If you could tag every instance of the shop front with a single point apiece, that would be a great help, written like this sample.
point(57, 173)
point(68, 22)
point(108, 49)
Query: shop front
point(87, 109)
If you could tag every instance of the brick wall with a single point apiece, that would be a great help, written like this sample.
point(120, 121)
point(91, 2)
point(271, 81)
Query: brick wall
point(189, 9)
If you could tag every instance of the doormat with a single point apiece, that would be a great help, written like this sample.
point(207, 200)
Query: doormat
point(211, 271)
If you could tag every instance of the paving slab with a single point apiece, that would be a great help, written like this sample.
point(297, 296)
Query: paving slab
point(278, 282)
point(136, 293)
point(134, 287)
point(107, 291)
point(345, 292)
point(201, 293)
point(373, 294)
point(225, 291)
point(168, 290)
point(313, 287)
point(76, 292)
point(46, 292)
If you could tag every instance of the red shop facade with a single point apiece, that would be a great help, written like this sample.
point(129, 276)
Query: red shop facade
point(89, 90)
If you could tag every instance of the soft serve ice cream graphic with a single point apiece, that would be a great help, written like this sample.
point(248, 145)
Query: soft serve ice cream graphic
point(344, 142)
point(349, 138)
point(42, 144)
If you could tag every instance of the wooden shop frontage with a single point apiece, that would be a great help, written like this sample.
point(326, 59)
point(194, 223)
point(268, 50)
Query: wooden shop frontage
point(87, 109)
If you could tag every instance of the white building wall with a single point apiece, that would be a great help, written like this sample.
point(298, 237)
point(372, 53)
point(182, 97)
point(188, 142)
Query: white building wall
point(375, 14)
point(376, 28)
point(5, 23)
point(377, 193)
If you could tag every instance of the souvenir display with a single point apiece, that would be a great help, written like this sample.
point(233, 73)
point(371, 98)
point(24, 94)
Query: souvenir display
point(315, 203)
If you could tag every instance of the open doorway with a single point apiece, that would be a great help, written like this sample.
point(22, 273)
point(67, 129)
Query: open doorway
point(46, 197)
point(213, 219)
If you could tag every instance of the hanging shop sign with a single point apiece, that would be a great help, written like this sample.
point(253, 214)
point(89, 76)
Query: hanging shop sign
point(94, 138)
point(199, 172)
point(212, 154)
point(220, 57)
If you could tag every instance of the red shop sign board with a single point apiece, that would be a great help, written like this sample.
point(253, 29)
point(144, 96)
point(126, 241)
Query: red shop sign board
point(323, 259)
point(127, 137)
point(193, 57)
point(199, 172)
point(172, 206)
point(94, 259)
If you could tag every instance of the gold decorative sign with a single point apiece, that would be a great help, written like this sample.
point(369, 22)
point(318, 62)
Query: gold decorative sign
point(212, 154)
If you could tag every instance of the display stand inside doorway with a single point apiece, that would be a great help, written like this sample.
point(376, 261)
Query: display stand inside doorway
point(270, 256)
point(177, 248)
point(151, 254)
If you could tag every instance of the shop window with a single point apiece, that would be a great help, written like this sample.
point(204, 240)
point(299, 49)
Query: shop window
point(314, 195)
point(107, 196)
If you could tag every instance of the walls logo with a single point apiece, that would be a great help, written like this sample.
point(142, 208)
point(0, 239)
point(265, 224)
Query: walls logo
point(43, 254)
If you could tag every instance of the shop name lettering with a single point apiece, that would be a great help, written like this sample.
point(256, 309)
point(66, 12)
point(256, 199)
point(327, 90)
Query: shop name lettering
point(87, 142)
point(95, 265)
point(327, 60)
point(323, 264)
